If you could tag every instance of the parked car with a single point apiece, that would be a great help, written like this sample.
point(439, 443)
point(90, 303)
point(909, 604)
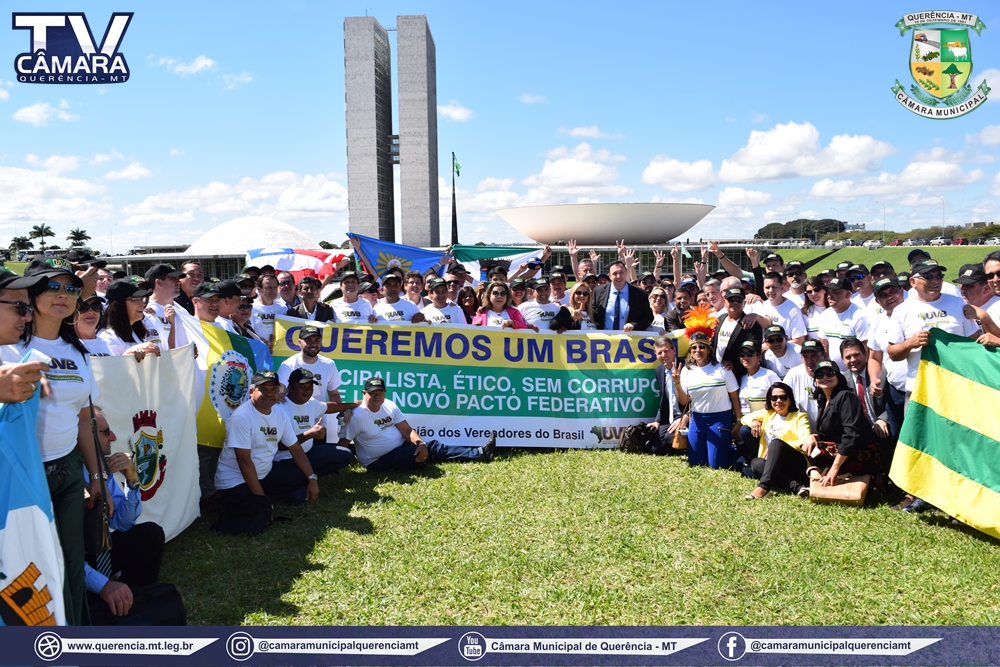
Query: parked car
point(940, 240)
point(978, 241)
point(873, 243)
point(895, 242)
point(993, 241)
point(960, 241)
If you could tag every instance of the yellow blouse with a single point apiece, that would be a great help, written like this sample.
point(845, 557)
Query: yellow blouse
point(793, 430)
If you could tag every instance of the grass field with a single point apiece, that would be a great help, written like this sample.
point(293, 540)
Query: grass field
point(952, 257)
point(584, 537)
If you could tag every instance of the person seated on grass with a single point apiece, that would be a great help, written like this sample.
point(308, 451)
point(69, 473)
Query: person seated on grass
point(383, 441)
point(780, 430)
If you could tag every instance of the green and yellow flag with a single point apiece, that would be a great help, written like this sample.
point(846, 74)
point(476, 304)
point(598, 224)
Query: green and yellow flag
point(948, 449)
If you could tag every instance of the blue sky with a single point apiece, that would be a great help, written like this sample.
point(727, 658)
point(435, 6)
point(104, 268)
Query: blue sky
point(771, 111)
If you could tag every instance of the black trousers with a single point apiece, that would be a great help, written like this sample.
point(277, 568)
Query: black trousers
point(137, 554)
point(663, 442)
point(784, 468)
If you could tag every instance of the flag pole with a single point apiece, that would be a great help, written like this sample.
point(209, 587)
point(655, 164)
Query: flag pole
point(454, 207)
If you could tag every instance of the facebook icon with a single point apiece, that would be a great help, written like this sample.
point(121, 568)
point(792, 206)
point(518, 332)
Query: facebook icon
point(732, 646)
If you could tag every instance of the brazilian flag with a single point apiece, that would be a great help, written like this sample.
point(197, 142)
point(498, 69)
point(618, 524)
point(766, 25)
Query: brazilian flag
point(947, 450)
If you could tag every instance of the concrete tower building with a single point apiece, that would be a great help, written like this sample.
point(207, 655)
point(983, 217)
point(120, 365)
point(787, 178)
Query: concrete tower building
point(416, 77)
point(370, 148)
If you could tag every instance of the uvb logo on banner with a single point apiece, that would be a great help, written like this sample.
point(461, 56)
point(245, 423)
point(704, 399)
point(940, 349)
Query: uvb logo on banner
point(63, 49)
point(940, 63)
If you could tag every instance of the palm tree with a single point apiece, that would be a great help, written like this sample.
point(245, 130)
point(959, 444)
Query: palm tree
point(41, 232)
point(77, 237)
point(21, 243)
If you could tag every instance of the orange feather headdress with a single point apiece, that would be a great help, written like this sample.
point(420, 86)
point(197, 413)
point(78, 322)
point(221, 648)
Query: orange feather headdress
point(700, 320)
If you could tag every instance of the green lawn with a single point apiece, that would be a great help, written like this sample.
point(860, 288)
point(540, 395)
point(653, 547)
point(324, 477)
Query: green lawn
point(584, 537)
point(16, 267)
point(952, 257)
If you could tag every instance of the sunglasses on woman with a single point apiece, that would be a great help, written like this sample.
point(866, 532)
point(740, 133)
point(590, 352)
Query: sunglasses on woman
point(694, 348)
point(825, 373)
point(583, 294)
point(246, 306)
point(86, 306)
point(19, 306)
point(814, 291)
point(138, 300)
point(779, 397)
point(54, 287)
point(498, 293)
point(747, 353)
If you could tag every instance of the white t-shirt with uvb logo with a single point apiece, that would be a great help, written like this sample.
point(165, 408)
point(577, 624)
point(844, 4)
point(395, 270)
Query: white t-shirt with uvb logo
point(450, 314)
point(328, 377)
point(303, 417)
point(787, 315)
point(352, 313)
point(262, 319)
point(71, 382)
point(914, 315)
point(539, 314)
point(374, 433)
point(248, 428)
point(402, 311)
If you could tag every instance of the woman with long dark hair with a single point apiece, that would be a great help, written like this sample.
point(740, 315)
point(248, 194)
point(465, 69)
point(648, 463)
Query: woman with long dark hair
point(781, 431)
point(122, 326)
point(89, 313)
point(468, 302)
point(65, 438)
point(814, 305)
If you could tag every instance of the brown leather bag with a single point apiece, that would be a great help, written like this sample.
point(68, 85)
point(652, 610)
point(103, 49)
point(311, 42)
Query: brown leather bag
point(680, 440)
point(847, 489)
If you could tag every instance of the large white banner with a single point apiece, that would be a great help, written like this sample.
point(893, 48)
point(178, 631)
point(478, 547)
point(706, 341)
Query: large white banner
point(150, 406)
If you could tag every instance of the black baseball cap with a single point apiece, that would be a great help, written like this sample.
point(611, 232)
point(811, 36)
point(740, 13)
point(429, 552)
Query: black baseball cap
point(541, 282)
point(839, 283)
point(308, 330)
point(826, 363)
point(882, 264)
point(350, 274)
point(51, 268)
point(368, 287)
point(734, 292)
point(126, 287)
point(813, 344)
point(456, 267)
point(10, 280)
point(206, 290)
point(794, 264)
point(559, 268)
point(252, 271)
point(84, 259)
point(263, 377)
point(970, 274)
point(648, 275)
point(775, 330)
point(884, 283)
point(163, 271)
point(917, 252)
point(518, 283)
point(557, 274)
point(750, 344)
point(243, 278)
point(434, 283)
point(391, 276)
point(926, 266)
point(229, 288)
point(374, 384)
point(826, 272)
point(859, 268)
point(845, 266)
point(774, 255)
point(302, 376)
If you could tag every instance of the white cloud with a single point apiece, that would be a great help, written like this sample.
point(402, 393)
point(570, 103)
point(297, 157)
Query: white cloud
point(175, 153)
point(4, 95)
point(231, 81)
point(659, 199)
point(133, 172)
point(588, 132)
point(54, 164)
point(792, 150)
point(44, 196)
point(917, 175)
point(739, 197)
point(199, 64)
point(579, 174)
point(941, 154)
point(584, 150)
point(283, 194)
point(101, 158)
point(759, 118)
point(39, 113)
point(455, 111)
point(677, 176)
point(989, 136)
point(528, 98)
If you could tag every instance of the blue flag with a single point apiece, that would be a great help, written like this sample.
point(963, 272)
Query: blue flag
point(380, 256)
point(261, 355)
point(31, 562)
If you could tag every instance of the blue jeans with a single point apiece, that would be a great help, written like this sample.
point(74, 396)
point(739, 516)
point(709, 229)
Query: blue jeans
point(710, 439)
point(404, 456)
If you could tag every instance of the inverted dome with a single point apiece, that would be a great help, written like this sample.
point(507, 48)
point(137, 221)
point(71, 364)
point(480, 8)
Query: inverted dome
point(237, 236)
point(603, 224)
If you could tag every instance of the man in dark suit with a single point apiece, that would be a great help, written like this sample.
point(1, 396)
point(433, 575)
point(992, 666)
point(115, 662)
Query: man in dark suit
point(669, 418)
point(619, 306)
point(735, 327)
point(310, 307)
point(874, 406)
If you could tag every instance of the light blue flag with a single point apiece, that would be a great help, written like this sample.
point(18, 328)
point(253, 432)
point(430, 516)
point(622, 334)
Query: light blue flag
point(31, 562)
point(261, 355)
point(382, 256)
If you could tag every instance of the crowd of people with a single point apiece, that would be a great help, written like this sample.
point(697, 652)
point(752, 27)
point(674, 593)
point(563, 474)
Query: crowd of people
point(781, 371)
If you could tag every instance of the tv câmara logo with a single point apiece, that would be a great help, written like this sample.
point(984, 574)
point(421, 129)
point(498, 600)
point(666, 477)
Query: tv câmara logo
point(63, 51)
point(941, 64)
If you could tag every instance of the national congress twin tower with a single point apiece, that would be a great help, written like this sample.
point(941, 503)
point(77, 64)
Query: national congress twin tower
point(372, 148)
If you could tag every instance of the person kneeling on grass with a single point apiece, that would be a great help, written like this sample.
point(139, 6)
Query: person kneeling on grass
point(246, 478)
point(383, 440)
point(782, 431)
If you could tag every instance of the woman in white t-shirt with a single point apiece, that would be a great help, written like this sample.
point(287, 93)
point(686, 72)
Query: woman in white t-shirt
point(576, 316)
point(65, 438)
point(753, 392)
point(815, 304)
point(122, 326)
point(659, 304)
point(711, 390)
point(90, 312)
point(498, 309)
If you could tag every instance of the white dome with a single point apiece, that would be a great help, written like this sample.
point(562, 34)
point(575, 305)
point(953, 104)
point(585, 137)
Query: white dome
point(237, 236)
point(603, 224)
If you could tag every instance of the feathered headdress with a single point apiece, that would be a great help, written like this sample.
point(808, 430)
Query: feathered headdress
point(700, 320)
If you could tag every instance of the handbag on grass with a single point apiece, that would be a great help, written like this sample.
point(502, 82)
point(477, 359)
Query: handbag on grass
point(680, 440)
point(847, 489)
